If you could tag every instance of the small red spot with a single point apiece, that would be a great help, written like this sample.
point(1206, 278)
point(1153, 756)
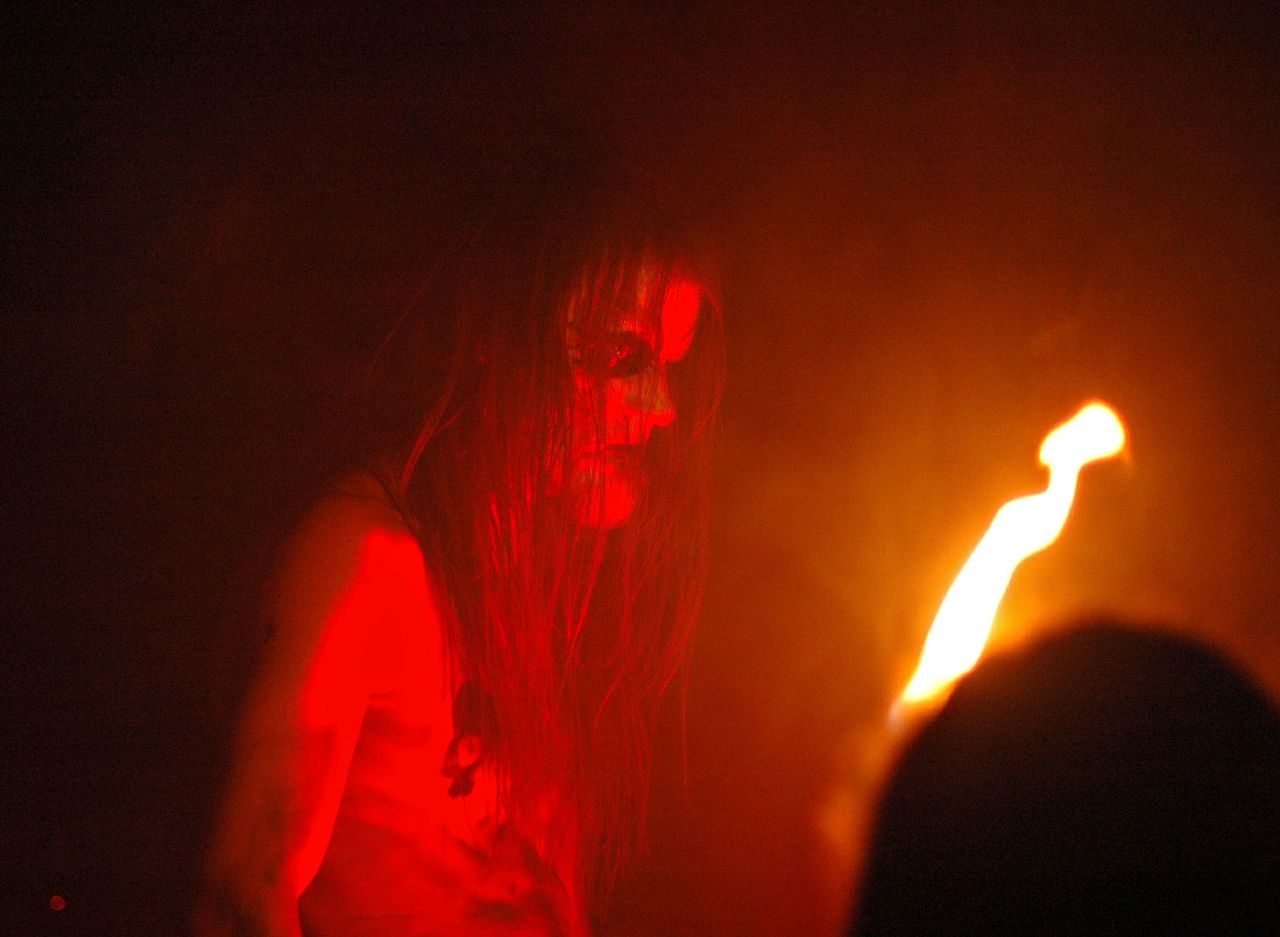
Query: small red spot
point(57, 903)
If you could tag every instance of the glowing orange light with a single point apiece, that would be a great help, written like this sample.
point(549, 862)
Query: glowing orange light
point(1022, 527)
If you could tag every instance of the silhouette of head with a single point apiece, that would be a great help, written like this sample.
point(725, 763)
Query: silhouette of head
point(1106, 780)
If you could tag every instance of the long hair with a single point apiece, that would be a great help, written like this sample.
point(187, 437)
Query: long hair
point(575, 631)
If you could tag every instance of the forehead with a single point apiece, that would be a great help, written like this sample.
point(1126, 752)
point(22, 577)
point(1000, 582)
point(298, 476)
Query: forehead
point(679, 318)
point(677, 313)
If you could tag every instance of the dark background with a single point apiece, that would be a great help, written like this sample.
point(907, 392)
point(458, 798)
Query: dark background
point(944, 227)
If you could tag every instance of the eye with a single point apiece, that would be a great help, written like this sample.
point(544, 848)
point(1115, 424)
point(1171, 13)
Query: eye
point(616, 357)
point(629, 355)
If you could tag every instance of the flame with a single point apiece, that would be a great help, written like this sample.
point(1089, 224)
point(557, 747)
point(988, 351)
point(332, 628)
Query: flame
point(1022, 527)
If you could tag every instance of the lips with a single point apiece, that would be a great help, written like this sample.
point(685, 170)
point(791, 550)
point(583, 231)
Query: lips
point(620, 459)
point(606, 482)
point(623, 455)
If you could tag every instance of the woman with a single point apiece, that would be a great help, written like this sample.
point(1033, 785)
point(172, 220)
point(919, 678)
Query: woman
point(470, 634)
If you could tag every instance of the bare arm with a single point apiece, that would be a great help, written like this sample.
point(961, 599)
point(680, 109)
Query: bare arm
point(350, 579)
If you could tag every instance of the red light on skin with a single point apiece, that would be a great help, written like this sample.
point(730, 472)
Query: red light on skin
point(614, 418)
point(679, 319)
point(57, 903)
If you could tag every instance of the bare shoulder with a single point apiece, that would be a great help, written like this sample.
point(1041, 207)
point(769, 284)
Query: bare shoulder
point(351, 513)
point(353, 573)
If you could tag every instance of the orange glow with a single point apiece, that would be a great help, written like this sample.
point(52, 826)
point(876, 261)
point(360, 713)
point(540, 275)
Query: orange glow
point(1022, 527)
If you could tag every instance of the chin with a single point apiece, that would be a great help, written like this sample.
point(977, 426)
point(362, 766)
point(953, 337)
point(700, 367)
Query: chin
point(619, 504)
point(607, 506)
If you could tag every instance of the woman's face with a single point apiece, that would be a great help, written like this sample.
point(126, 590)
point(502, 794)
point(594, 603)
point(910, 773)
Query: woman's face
point(621, 396)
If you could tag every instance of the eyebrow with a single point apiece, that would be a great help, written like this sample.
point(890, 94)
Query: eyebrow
point(626, 326)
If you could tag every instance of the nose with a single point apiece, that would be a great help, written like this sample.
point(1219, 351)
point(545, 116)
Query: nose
point(650, 405)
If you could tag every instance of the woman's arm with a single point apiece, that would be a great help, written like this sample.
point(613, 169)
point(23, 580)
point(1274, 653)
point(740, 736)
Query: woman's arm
point(350, 579)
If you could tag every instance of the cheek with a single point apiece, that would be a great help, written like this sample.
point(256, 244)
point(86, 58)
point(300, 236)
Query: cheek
point(604, 494)
point(586, 403)
point(599, 409)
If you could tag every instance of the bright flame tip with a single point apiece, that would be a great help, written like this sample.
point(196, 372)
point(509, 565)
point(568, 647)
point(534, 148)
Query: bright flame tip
point(1021, 527)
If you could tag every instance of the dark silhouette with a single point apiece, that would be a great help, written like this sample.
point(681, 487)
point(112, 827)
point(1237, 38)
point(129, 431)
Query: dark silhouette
point(1107, 780)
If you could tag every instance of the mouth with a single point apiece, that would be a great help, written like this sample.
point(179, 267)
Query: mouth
point(624, 452)
point(606, 482)
point(624, 457)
